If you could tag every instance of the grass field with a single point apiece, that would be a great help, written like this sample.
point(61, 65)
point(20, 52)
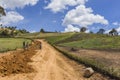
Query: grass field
point(57, 38)
point(79, 40)
point(95, 43)
point(7, 44)
point(87, 41)
point(43, 35)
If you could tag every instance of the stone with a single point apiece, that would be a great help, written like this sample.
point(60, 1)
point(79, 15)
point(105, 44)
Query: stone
point(88, 72)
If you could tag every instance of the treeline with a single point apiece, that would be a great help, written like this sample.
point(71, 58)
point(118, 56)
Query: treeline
point(43, 31)
point(112, 32)
point(11, 31)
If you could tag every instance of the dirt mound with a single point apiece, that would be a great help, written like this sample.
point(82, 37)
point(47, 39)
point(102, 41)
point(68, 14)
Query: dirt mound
point(17, 61)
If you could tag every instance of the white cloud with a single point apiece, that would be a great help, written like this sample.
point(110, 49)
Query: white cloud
point(118, 29)
point(11, 17)
point(32, 31)
point(79, 16)
point(83, 17)
point(12, 4)
point(116, 23)
point(107, 31)
point(71, 28)
point(46, 1)
point(60, 5)
point(54, 21)
point(87, 31)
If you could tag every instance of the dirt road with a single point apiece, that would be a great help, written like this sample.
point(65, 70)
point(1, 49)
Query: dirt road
point(49, 64)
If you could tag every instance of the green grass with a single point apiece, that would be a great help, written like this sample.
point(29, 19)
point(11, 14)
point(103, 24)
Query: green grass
point(28, 35)
point(50, 37)
point(7, 44)
point(95, 43)
point(82, 40)
point(42, 35)
point(79, 40)
point(60, 37)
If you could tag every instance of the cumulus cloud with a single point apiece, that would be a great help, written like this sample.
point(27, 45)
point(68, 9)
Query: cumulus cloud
point(12, 4)
point(71, 28)
point(11, 17)
point(60, 5)
point(83, 17)
point(80, 16)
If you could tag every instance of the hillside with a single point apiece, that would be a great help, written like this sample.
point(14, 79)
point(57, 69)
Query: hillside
point(87, 41)
point(10, 31)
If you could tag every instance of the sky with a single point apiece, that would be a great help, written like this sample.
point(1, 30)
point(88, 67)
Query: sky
point(62, 15)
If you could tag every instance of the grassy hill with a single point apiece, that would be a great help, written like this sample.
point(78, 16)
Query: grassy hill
point(87, 41)
point(98, 42)
point(78, 40)
point(51, 37)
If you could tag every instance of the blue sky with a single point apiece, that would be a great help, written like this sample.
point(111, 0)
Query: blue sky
point(62, 15)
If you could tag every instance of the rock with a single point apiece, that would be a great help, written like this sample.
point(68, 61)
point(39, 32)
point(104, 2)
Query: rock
point(73, 49)
point(88, 72)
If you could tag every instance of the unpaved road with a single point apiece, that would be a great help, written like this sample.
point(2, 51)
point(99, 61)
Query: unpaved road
point(49, 64)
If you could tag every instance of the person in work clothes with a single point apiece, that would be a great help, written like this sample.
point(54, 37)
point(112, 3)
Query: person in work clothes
point(27, 45)
point(24, 45)
point(40, 45)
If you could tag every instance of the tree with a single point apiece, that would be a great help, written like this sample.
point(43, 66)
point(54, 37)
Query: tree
point(12, 27)
point(113, 32)
point(101, 31)
point(83, 29)
point(2, 12)
point(23, 31)
point(5, 33)
point(42, 30)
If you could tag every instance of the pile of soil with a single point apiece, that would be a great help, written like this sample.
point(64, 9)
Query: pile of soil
point(17, 61)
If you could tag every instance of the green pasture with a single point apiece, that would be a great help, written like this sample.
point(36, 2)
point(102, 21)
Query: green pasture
point(79, 40)
point(87, 41)
point(7, 44)
point(95, 43)
point(57, 38)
